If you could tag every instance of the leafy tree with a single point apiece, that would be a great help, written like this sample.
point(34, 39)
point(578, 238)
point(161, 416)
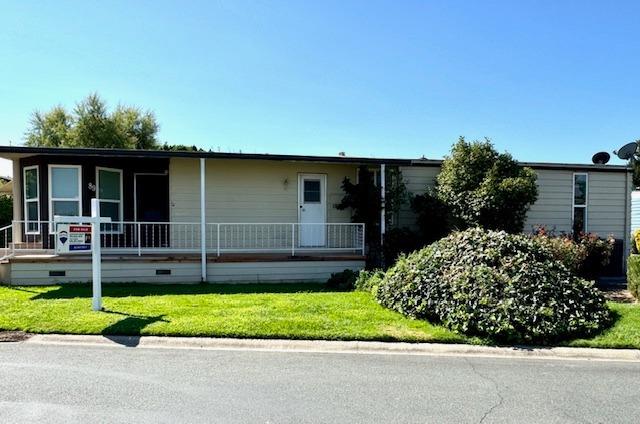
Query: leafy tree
point(482, 187)
point(90, 124)
point(180, 147)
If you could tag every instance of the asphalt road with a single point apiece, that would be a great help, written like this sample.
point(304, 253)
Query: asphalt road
point(66, 384)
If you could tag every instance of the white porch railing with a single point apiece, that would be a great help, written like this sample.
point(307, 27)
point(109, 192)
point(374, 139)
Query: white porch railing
point(127, 237)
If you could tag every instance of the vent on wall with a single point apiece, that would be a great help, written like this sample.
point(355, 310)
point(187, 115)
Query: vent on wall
point(57, 273)
point(163, 272)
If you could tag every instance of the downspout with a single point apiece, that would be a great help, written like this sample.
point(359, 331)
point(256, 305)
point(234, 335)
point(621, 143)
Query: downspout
point(383, 193)
point(628, 239)
point(203, 219)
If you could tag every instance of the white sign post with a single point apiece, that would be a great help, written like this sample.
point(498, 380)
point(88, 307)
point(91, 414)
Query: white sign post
point(74, 243)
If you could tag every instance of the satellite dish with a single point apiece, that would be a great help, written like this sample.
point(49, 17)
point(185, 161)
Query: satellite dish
point(627, 151)
point(601, 158)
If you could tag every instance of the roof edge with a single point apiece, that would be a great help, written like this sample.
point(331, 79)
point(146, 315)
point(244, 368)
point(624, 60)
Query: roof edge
point(84, 151)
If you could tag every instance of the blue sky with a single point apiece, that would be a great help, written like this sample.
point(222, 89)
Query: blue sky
point(546, 81)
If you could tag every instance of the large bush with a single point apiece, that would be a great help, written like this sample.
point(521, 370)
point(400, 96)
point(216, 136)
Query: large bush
point(503, 286)
point(481, 187)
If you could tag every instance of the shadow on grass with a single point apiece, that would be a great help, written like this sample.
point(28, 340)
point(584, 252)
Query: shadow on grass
point(127, 331)
point(71, 291)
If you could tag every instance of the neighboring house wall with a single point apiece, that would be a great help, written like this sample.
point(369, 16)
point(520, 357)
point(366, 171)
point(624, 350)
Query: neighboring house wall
point(250, 190)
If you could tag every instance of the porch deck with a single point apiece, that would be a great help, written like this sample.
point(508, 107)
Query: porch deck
point(48, 268)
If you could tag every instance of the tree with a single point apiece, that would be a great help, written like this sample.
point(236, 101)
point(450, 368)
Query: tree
point(481, 187)
point(364, 200)
point(92, 125)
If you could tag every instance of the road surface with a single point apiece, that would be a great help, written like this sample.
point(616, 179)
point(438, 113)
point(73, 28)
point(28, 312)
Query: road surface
point(66, 384)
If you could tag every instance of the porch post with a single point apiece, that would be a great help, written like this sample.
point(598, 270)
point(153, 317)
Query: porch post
point(16, 228)
point(382, 204)
point(203, 229)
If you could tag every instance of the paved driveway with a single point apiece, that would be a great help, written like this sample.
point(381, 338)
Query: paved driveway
point(66, 384)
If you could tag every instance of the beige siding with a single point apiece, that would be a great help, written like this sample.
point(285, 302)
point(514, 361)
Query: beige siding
point(294, 271)
point(607, 211)
point(608, 198)
point(553, 207)
point(250, 191)
point(28, 273)
point(606, 208)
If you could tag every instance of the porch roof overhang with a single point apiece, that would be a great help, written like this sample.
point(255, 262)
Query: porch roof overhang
point(17, 152)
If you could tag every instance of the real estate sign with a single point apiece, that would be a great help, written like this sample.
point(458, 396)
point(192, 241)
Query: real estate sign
point(73, 238)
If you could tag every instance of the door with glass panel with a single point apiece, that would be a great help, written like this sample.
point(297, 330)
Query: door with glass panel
point(152, 209)
point(312, 210)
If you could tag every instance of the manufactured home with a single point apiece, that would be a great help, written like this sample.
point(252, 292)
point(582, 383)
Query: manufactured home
point(180, 216)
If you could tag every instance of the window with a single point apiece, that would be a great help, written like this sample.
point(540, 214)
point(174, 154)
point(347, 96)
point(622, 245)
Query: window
point(109, 191)
point(65, 194)
point(580, 201)
point(31, 199)
point(312, 191)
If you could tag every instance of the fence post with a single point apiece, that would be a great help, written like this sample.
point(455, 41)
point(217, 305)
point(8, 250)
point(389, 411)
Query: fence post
point(139, 241)
point(218, 236)
point(293, 239)
point(363, 241)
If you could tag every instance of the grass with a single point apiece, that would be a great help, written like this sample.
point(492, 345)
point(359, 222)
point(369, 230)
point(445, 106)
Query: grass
point(295, 311)
point(291, 311)
point(624, 333)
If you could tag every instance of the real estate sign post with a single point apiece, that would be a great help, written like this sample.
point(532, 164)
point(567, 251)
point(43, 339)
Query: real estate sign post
point(81, 234)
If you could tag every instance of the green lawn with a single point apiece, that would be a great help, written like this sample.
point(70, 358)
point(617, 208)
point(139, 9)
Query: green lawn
point(295, 311)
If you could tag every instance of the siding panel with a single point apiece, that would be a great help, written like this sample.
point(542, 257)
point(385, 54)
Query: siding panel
point(250, 191)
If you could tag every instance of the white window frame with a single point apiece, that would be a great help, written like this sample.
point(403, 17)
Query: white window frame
point(120, 202)
point(586, 201)
point(26, 201)
point(63, 199)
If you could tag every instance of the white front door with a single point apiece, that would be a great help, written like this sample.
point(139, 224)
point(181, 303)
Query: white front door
point(312, 209)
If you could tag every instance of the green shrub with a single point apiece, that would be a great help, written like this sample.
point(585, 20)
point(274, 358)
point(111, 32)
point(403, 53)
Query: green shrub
point(432, 217)
point(633, 275)
point(343, 280)
point(507, 287)
point(636, 241)
point(399, 241)
point(587, 255)
point(597, 254)
point(369, 281)
point(481, 187)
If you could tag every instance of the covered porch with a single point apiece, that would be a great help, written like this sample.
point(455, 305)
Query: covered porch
point(185, 208)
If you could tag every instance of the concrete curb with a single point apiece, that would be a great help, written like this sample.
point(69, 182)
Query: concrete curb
point(351, 347)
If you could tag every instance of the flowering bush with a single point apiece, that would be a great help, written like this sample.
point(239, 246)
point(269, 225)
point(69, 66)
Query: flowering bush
point(587, 255)
point(508, 287)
